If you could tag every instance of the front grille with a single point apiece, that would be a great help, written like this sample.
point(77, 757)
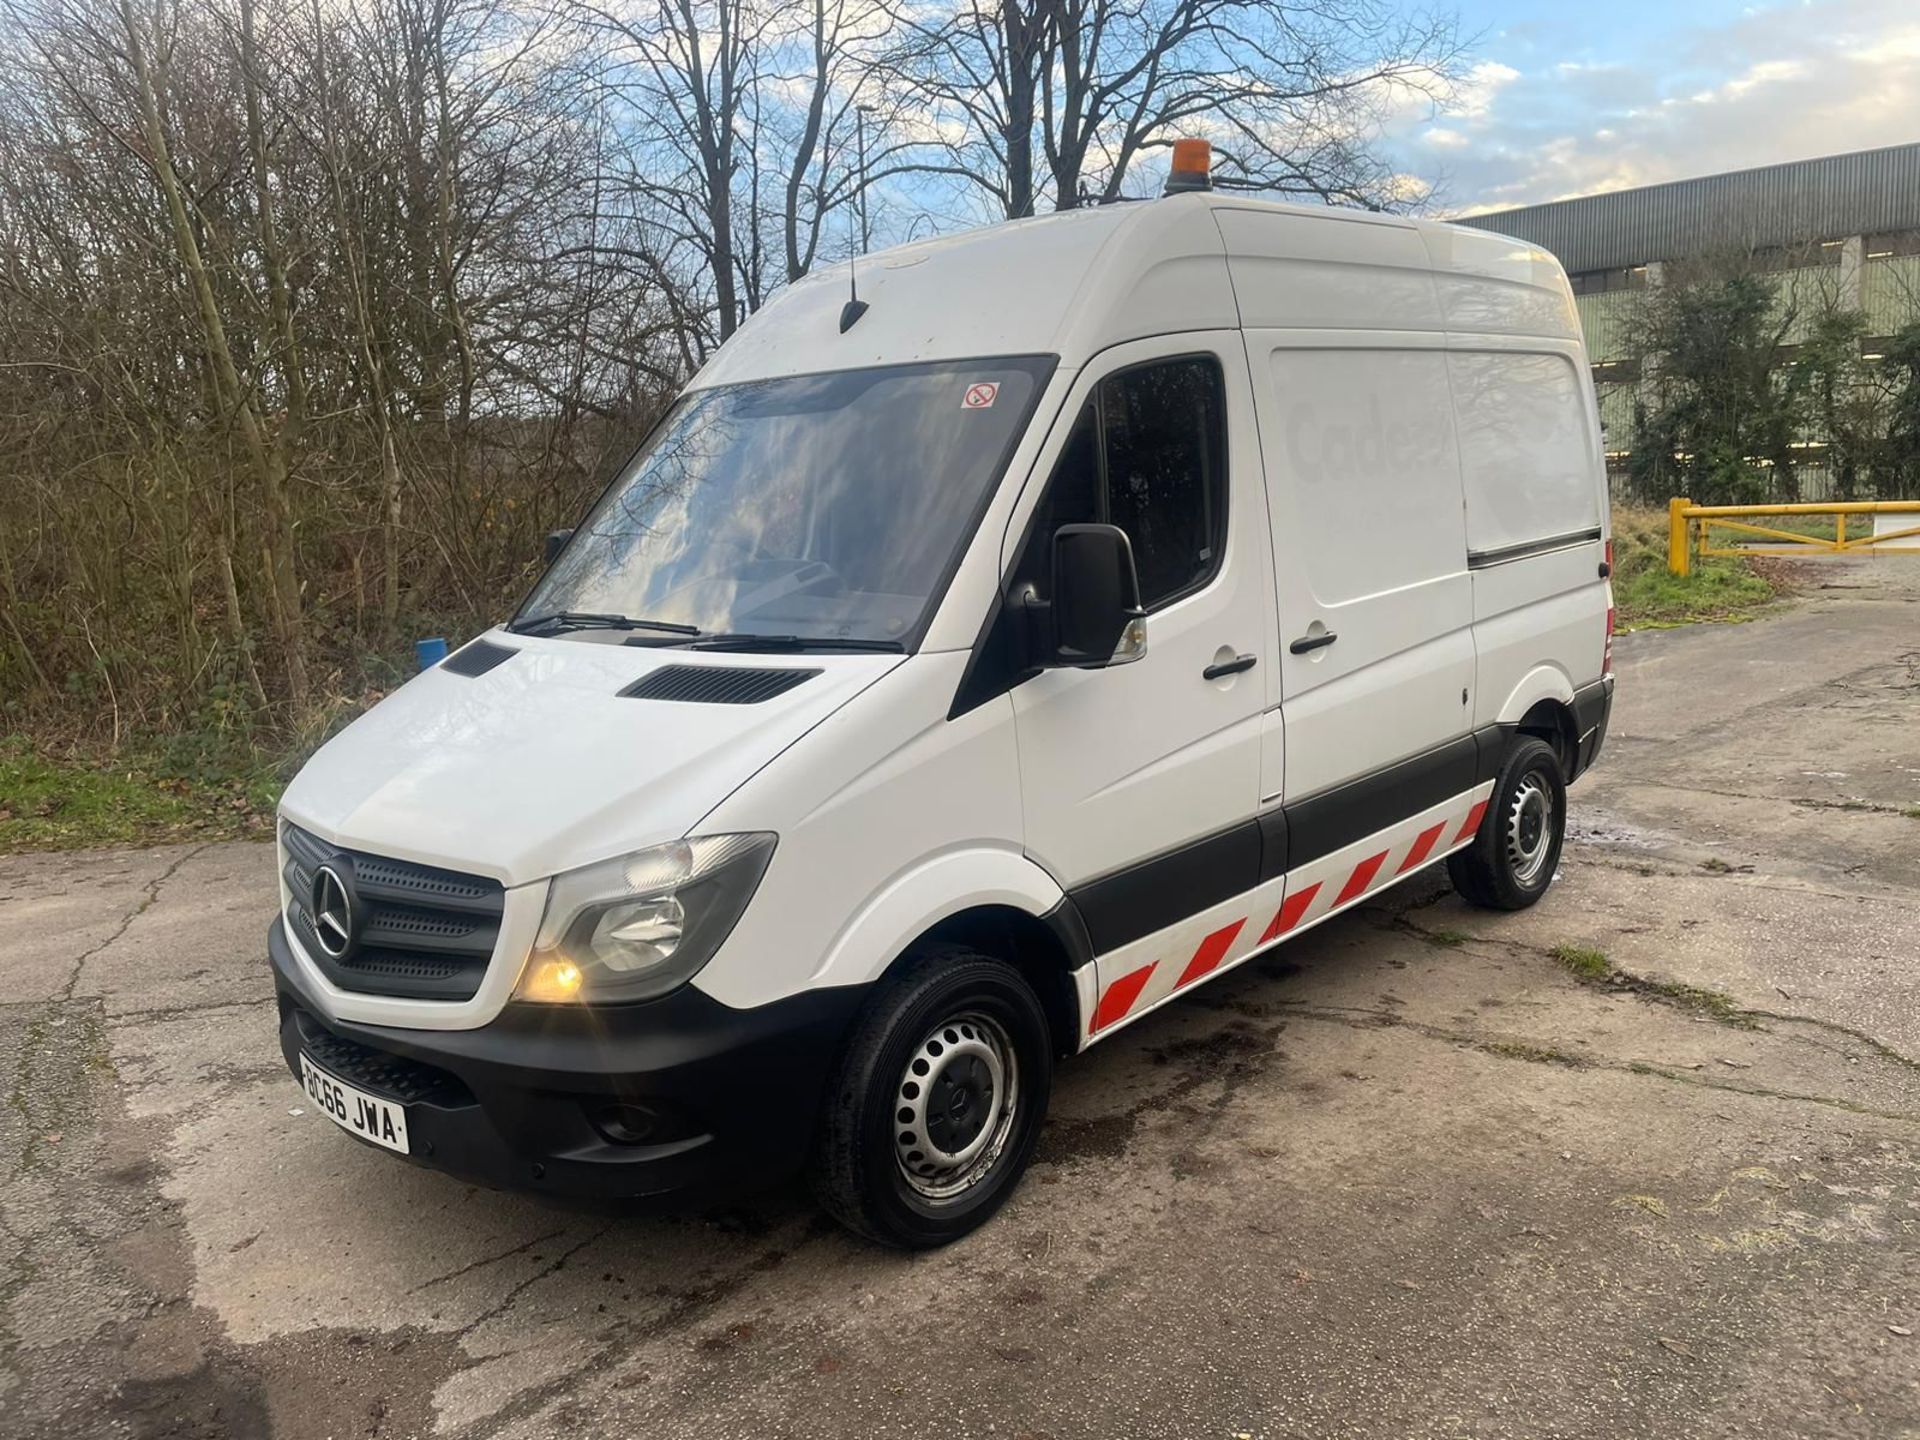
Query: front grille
point(420, 933)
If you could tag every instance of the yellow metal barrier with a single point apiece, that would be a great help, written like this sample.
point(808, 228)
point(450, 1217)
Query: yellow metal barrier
point(1690, 530)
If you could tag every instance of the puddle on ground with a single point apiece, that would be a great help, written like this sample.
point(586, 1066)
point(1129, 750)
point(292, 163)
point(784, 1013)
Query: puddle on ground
point(1596, 827)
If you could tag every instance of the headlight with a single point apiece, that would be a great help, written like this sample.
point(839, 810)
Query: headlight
point(642, 924)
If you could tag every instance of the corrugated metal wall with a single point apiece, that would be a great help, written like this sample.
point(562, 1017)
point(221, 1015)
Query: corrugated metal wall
point(1865, 193)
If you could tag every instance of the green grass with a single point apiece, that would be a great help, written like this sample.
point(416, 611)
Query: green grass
point(1532, 1054)
point(1711, 1003)
point(63, 803)
point(1592, 967)
point(1648, 596)
point(1725, 590)
point(1584, 964)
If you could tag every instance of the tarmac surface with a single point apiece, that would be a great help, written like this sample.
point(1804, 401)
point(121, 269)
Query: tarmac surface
point(1411, 1176)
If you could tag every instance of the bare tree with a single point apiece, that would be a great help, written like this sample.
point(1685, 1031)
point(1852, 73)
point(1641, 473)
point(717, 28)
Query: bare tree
point(1292, 96)
point(314, 315)
point(685, 73)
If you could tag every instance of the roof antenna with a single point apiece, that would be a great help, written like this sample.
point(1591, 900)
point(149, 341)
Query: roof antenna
point(855, 306)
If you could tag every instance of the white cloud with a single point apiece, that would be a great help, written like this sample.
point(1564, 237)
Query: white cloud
point(1409, 189)
point(1782, 82)
point(1481, 88)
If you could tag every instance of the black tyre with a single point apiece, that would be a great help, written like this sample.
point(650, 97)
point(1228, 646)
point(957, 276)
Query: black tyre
point(1513, 857)
point(937, 1101)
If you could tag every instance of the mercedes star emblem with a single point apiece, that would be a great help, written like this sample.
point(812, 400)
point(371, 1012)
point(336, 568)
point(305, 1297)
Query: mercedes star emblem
point(332, 912)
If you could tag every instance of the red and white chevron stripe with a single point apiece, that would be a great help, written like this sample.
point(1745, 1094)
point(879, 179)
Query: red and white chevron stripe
point(1137, 977)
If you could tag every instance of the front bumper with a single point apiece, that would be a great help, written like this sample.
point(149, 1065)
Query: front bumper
point(680, 1094)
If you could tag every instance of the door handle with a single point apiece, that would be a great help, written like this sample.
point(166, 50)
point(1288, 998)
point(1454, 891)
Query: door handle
point(1229, 667)
point(1313, 642)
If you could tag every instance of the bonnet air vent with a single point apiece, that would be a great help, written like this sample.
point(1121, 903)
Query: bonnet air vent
point(715, 684)
point(477, 658)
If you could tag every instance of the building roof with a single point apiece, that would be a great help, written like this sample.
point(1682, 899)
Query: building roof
point(1868, 192)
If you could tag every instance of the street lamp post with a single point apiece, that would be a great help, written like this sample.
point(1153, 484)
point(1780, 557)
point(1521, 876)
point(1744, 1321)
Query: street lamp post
point(860, 140)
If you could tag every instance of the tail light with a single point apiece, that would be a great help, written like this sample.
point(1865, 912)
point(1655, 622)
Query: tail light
point(1606, 659)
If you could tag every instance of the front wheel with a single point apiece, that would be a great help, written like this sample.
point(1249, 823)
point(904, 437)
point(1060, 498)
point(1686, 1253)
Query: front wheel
point(937, 1101)
point(1517, 849)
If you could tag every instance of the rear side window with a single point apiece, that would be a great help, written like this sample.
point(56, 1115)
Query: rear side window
point(1147, 453)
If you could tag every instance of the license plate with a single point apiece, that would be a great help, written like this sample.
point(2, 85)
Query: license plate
point(367, 1116)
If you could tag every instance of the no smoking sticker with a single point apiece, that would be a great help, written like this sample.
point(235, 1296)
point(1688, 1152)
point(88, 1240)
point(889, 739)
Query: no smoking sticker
point(980, 396)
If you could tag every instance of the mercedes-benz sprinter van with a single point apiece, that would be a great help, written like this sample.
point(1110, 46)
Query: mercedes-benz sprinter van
point(955, 675)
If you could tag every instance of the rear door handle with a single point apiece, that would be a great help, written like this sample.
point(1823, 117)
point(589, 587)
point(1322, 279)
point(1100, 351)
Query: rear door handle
point(1313, 642)
point(1228, 667)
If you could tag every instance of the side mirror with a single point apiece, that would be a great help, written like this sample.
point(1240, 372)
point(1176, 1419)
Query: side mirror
point(1095, 607)
point(556, 542)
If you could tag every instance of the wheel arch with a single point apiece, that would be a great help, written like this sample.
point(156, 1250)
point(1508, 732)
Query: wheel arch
point(1553, 722)
point(1051, 951)
point(1541, 705)
point(993, 899)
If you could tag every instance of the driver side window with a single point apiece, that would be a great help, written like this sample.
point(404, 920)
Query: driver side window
point(1147, 453)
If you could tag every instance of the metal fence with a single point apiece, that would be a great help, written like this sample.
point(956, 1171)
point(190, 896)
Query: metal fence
point(1864, 527)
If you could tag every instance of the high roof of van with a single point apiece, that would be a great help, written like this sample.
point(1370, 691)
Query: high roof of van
point(1074, 283)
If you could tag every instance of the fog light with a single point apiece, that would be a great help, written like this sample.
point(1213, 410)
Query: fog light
point(624, 1124)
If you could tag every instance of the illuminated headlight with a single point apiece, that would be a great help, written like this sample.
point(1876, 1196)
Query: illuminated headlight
point(640, 925)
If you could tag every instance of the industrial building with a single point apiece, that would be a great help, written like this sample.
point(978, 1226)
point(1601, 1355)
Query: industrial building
point(1841, 231)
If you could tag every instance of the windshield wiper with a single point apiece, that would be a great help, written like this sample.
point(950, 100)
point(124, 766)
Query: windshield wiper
point(589, 620)
point(749, 641)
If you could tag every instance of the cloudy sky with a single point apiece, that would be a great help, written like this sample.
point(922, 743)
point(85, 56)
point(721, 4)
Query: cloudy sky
point(1570, 98)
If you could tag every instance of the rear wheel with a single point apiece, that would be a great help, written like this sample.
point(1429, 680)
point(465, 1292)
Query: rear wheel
point(937, 1102)
point(1514, 855)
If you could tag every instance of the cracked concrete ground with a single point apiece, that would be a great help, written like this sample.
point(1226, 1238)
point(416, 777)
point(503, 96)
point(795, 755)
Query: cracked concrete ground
point(1407, 1177)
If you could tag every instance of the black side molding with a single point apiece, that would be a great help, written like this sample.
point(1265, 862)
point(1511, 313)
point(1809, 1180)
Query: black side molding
point(1334, 819)
point(1125, 904)
point(1122, 906)
point(1480, 559)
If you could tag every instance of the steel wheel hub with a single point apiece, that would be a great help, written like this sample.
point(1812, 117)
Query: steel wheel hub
point(954, 1106)
point(1529, 827)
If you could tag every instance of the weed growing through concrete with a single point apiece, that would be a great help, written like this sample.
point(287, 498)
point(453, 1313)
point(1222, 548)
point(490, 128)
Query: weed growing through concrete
point(1584, 964)
point(1532, 1054)
point(1592, 967)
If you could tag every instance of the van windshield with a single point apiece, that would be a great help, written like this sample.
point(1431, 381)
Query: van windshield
point(825, 506)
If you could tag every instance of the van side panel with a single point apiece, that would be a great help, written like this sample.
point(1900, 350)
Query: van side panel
point(890, 817)
point(1535, 493)
point(1533, 619)
point(1369, 546)
point(1496, 285)
point(1324, 271)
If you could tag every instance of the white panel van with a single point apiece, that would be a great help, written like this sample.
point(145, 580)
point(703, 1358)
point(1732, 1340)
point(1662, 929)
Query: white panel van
point(955, 674)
